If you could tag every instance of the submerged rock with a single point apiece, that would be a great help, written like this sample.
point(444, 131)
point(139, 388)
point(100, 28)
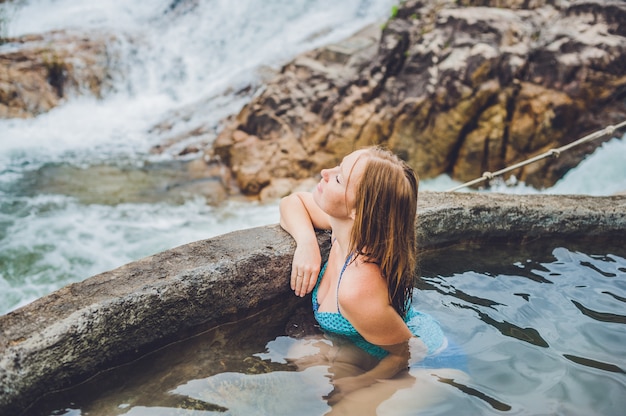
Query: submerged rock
point(168, 182)
point(452, 89)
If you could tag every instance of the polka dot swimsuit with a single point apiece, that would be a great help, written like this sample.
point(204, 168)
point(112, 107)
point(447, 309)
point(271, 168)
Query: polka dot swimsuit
point(421, 324)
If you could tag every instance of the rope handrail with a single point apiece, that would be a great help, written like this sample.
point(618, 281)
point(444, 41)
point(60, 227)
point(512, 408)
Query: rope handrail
point(608, 130)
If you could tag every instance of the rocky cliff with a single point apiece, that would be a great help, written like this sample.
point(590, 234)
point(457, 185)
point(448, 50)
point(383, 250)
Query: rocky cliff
point(458, 87)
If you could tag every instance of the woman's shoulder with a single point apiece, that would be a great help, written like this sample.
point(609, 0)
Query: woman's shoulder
point(363, 282)
point(364, 302)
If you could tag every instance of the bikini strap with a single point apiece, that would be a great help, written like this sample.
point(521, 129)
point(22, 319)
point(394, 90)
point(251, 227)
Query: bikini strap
point(343, 269)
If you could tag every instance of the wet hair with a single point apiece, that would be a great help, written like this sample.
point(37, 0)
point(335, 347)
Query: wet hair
point(384, 226)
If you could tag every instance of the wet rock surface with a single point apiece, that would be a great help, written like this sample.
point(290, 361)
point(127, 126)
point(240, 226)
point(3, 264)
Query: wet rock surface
point(453, 87)
point(457, 87)
point(40, 71)
point(117, 316)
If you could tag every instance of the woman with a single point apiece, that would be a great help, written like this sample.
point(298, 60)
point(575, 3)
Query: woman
point(363, 292)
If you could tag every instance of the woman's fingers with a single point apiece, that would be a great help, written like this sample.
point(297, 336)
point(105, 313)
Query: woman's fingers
point(299, 282)
point(297, 279)
point(293, 280)
point(305, 268)
point(303, 279)
point(312, 281)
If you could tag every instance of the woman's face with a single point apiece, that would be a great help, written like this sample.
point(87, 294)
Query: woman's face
point(335, 193)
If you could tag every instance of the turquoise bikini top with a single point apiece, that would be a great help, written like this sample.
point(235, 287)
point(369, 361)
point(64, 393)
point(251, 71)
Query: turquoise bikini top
point(421, 324)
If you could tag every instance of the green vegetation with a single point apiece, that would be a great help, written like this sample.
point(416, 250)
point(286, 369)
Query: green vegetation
point(394, 11)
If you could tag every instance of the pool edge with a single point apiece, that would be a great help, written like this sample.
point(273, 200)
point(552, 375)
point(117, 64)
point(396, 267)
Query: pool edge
point(116, 316)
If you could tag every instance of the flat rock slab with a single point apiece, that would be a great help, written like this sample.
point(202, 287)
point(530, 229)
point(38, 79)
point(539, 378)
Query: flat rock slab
point(117, 316)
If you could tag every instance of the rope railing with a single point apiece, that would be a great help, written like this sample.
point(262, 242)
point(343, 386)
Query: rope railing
point(608, 130)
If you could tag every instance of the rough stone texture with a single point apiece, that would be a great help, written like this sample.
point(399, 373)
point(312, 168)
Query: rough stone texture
point(447, 219)
point(452, 89)
point(37, 72)
point(459, 87)
point(120, 315)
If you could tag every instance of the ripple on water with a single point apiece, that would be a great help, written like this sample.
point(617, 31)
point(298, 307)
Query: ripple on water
point(577, 368)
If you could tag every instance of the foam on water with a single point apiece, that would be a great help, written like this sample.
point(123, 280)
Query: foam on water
point(53, 240)
point(166, 58)
point(179, 60)
point(172, 60)
point(602, 173)
point(83, 126)
point(182, 60)
point(38, 16)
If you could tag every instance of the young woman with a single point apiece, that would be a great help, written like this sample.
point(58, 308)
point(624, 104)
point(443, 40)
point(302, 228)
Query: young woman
point(362, 294)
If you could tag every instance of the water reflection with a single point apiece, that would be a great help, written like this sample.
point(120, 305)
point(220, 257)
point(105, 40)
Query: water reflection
point(272, 393)
point(541, 326)
point(564, 300)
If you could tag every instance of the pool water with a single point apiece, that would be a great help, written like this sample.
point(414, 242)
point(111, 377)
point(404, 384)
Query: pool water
point(541, 325)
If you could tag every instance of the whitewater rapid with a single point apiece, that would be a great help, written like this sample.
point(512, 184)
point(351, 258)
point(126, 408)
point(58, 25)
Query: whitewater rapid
point(173, 57)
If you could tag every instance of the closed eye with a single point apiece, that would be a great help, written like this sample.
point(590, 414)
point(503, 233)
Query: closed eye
point(337, 179)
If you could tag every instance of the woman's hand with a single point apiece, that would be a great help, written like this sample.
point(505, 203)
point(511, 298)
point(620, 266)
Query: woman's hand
point(305, 268)
point(347, 385)
point(300, 216)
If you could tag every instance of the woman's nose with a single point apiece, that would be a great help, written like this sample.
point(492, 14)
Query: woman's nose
point(325, 173)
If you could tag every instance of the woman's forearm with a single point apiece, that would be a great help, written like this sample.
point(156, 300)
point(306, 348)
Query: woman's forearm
point(388, 367)
point(296, 220)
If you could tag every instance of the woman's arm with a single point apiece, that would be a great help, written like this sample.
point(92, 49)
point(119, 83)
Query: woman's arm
point(364, 302)
point(388, 367)
point(300, 216)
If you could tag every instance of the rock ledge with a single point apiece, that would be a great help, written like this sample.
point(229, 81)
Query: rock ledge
point(114, 317)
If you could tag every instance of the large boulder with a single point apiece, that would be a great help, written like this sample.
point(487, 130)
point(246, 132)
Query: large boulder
point(117, 316)
point(453, 87)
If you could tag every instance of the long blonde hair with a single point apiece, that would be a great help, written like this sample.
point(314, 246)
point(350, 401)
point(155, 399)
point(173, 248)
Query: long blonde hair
point(384, 226)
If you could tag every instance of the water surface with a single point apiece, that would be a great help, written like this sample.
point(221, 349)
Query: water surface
point(542, 327)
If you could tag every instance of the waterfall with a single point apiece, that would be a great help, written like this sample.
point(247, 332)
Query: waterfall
point(180, 60)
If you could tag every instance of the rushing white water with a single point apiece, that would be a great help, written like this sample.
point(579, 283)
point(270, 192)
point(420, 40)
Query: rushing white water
point(172, 57)
point(602, 173)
